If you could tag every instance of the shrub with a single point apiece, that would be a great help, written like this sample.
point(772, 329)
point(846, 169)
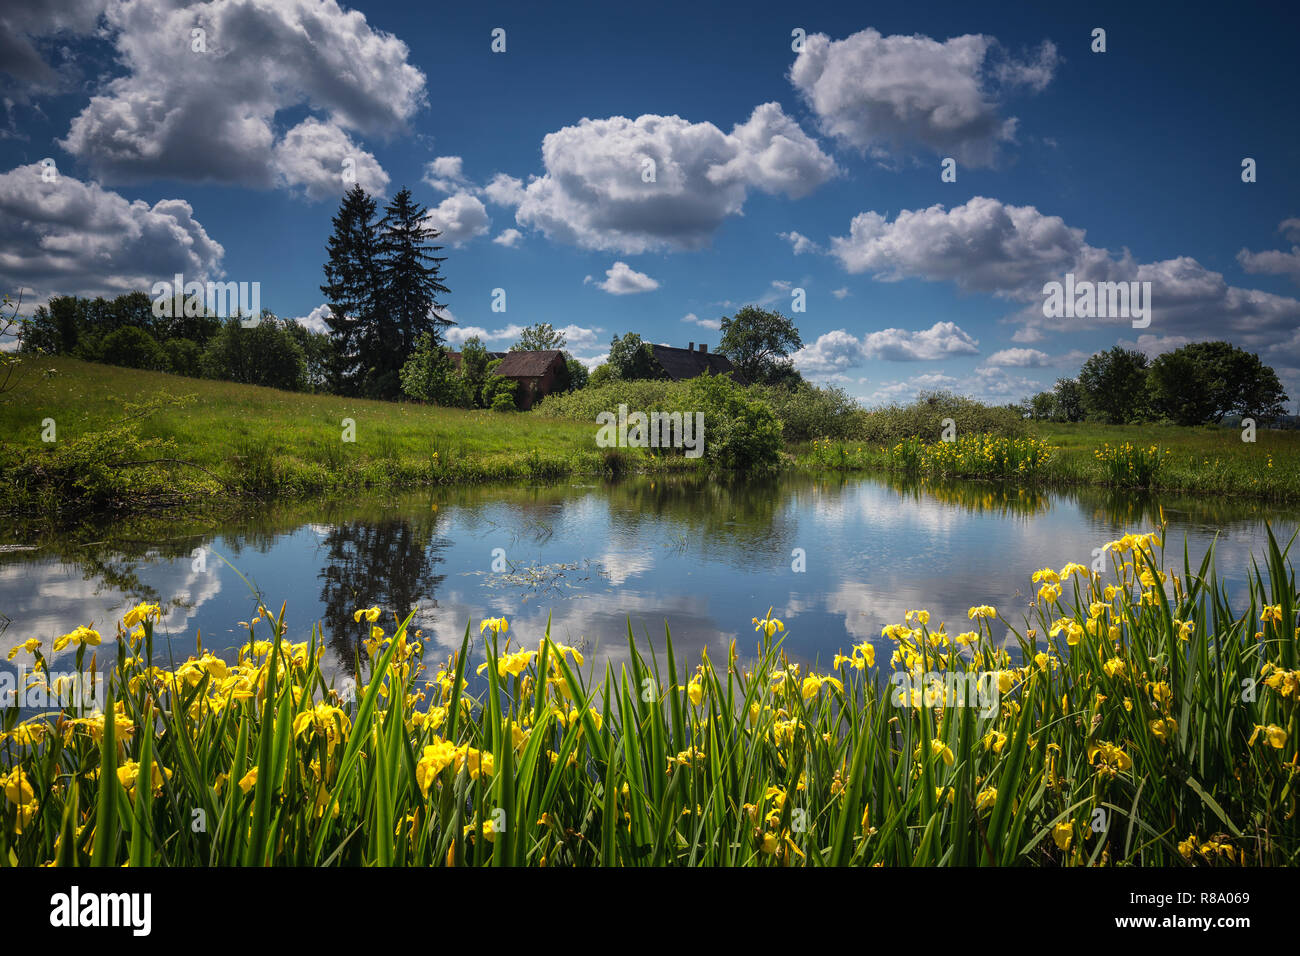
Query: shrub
point(808, 411)
point(263, 354)
point(184, 357)
point(501, 394)
point(132, 347)
point(924, 419)
point(430, 376)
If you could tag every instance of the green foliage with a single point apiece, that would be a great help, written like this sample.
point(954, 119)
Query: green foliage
point(1204, 381)
point(500, 394)
point(263, 354)
point(631, 359)
point(741, 430)
point(1042, 407)
point(430, 376)
point(541, 337)
point(577, 374)
point(924, 419)
point(742, 433)
point(1114, 386)
point(132, 347)
point(93, 469)
point(1069, 401)
point(808, 411)
point(382, 282)
point(759, 342)
point(184, 357)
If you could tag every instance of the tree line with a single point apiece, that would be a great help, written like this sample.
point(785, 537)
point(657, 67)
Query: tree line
point(1197, 384)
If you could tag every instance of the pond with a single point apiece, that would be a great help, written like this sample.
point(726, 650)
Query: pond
point(835, 558)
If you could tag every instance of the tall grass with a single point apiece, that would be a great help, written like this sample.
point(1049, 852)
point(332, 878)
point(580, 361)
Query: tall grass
point(1139, 719)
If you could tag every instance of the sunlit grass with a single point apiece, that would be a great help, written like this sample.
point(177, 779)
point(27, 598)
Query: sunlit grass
point(214, 438)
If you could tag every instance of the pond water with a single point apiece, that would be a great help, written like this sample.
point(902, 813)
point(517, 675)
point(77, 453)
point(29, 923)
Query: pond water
point(702, 557)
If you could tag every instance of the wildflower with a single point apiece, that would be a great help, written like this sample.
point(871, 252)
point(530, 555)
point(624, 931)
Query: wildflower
point(17, 787)
point(995, 740)
point(1049, 593)
point(1162, 693)
point(862, 657)
point(939, 749)
point(31, 646)
point(324, 720)
point(81, 635)
point(478, 761)
point(1272, 612)
point(512, 664)
point(1162, 728)
point(986, 798)
point(370, 614)
point(129, 772)
point(982, 610)
point(248, 781)
point(812, 684)
point(769, 624)
point(695, 691)
point(497, 625)
point(1110, 760)
point(1114, 667)
point(1062, 834)
point(1071, 569)
point(141, 613)
point(437, 757)
point(1274, 734)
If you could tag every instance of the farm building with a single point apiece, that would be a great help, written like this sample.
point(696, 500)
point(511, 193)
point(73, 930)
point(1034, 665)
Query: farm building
point(536, 373)
point(681, 364)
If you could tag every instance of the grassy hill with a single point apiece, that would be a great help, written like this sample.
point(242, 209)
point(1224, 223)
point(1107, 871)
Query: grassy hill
point(166, 437)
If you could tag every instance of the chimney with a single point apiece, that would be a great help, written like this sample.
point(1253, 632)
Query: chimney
point(703, 347)
point(690, 346)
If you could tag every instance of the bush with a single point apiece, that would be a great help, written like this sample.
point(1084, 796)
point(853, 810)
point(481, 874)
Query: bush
point(430, 376)
point(184, 357)
point(500, 394)
point(807, 411)
point(924, 419)
point(264, 354)
point(741, 431)
point(132, 347)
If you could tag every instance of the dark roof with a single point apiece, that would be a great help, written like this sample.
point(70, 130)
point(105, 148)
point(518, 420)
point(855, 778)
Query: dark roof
point(689, 363)
point(528, 364)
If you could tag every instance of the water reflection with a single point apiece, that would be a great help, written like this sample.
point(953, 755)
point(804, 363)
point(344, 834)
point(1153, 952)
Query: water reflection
point(700, 556)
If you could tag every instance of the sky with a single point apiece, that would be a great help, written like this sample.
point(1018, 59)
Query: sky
point(652, 168)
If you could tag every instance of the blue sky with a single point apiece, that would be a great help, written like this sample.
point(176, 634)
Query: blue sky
point(775, 170)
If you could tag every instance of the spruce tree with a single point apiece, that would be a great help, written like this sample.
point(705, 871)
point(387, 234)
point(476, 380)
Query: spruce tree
point(352, 292)
point(410, 279)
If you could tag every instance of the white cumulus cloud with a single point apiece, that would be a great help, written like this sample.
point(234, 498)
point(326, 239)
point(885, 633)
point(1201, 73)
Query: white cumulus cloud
point(890, 95)
point(595, 191)
point(622, 279)
point(74, 237)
